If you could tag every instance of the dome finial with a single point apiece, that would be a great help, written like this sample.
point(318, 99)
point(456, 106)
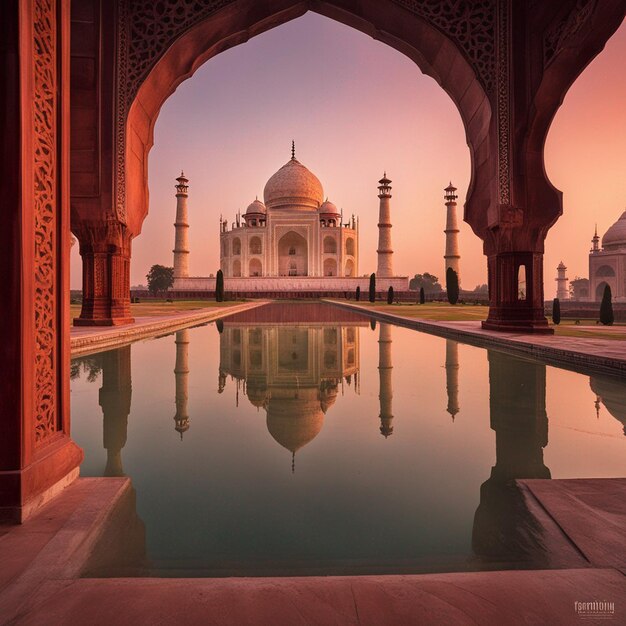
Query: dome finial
point(293, 150)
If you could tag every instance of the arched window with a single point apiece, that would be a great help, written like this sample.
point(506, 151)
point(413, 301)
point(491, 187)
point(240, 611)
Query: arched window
point(605, 270)
point(256, 269)
point(293, 270)
point(350, 246)
point(330, 267)
point(237, 269)
point(236, 246)
point(255, 245)
point(292, 251)
point(349, 268)
point(330, 245)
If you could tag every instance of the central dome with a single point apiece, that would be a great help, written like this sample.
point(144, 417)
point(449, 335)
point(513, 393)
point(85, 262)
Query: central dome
point(293, 185)
point(615, 236)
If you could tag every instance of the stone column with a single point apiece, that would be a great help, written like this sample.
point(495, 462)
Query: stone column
point(181, 243)
point(452, 255)
point(37, 456)
point(105, 249)
point(452, 376)
point(385, 250)
point(181, 374)
point(115, 400)
point(385, 368)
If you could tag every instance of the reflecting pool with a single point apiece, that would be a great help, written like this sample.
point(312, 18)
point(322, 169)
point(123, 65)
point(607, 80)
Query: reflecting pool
point(304, 439)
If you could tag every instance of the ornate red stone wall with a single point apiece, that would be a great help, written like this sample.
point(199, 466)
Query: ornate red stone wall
point(36, 454)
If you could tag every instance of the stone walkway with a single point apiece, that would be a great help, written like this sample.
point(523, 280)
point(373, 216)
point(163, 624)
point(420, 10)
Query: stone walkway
point(86, 340)
point(41, 583)
point(578, 353)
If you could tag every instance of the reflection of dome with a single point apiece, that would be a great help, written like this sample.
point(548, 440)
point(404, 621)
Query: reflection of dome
point(255, 207)
point(294, 422)
point(257, 396)
point(293, 184)
point(615, 236)
point(613, 396)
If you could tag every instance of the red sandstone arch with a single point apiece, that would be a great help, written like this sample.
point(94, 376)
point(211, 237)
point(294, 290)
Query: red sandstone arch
point(384, 20)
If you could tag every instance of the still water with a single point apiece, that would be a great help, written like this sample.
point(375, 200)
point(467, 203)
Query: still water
point(299, 439)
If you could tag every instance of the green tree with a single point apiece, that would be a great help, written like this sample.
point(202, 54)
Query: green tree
point(372, 287)
point(429, 282)
point(219, 286)
point(452, 286)
point(556, 311)
point(422, 295)
point(160, 278)
point(358, 293)
point(390, 295)
point(606, 308)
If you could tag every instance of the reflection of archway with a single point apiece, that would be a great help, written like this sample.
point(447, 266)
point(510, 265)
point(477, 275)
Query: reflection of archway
point(293, 255)
point(349, 268)
point(330, 267)
point(600, 290)
point(256, 269)
point(237, 268)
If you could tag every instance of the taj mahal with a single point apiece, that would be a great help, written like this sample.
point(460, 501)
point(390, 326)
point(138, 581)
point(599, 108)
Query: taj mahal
point(295, 239)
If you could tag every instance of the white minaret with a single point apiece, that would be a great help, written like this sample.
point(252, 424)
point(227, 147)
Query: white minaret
point(452, 255)
point(385, 251)
point(562, 292)
point(181, 242)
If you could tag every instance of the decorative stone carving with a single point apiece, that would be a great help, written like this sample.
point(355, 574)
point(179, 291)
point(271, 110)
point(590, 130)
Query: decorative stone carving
point(44, 112)
point(503, 103)
point(566, 28)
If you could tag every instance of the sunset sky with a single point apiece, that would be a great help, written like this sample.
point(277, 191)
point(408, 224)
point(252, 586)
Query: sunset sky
point(356, 107)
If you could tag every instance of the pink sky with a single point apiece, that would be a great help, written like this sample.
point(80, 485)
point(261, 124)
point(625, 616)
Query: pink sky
point(356, 107)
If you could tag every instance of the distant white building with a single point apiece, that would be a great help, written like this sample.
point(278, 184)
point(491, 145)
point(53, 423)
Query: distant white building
point(607, 263)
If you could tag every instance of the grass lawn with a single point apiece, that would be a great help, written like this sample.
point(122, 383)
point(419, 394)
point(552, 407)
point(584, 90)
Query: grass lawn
point(444, 312)
point(161, 307)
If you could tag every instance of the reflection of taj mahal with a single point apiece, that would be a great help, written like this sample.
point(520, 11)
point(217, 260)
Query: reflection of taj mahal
point(294, 240)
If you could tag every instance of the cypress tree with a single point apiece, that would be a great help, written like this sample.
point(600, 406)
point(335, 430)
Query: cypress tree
point(373, 324)
point(452, 286)
point(358, 293)
point(372, 287)
point(219, 286)
point(422, 295)
point(220, 326)
point(606, 308)
point(556, 311)
point(390, 295)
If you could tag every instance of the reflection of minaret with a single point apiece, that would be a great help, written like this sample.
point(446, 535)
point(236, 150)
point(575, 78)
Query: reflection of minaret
point(452, 376)
point(385, 368)
point(385, 250)
point(502, 524)
point(181, 373)
point(115, 400)
point(181, 226)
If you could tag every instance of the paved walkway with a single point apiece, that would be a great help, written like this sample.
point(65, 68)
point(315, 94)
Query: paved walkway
point(89, 339)
point(577, 353)
point(40, 580)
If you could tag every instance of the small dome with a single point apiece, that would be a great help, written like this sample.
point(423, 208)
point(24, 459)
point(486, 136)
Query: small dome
point(615, 236)
point(293, 184)
point(329, 208)
point(256, 207)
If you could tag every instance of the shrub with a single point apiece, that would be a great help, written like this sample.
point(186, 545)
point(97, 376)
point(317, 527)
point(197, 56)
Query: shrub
point(219, 286)
point(220, 326)
point(452, 286)
point(358, 293)
point(372, 293)
point(390, 295)
point(606, 308)
point(556, 311)
point(422, 295)
point(373, 324)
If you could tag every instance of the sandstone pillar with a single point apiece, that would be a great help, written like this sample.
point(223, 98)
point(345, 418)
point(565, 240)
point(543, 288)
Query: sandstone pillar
point(115, 400)
point(385, 250)
point(105, 249)
point(37, 456)
point(385, 369)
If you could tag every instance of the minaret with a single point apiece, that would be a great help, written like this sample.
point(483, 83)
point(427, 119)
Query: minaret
point(452, 376)
point(595, 241)
point(181, 242)
point(562, 292)
point(385, 367)
point(385, 261)
point(181, 374)
point(452, 255)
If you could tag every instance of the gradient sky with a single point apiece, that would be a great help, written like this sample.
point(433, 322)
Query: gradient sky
point(356, 107)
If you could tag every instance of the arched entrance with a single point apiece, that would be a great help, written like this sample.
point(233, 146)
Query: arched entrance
point(600, 290)
point(293, 255)
point(256, 268)
point(330, 267)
